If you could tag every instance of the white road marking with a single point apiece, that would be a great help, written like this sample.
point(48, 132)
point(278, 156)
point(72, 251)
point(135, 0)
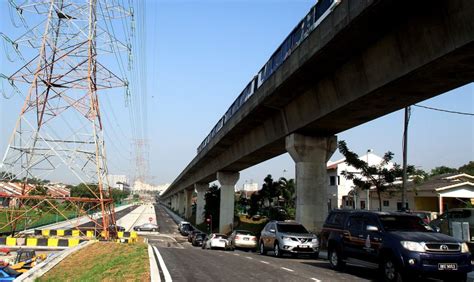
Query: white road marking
point(166, 273)
point(287, 269)
point(315, 279)
point(154, 272)
point(236, 254)
point(249, 257)
point(265, 262)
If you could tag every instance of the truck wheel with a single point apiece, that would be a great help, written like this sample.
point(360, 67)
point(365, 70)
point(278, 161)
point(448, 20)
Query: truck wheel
point(335, 259)
point(390, 271)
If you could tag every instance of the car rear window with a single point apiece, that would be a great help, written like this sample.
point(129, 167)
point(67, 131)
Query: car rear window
point(404, 223)
point(244, 232)
point(291, 228)
point(221, 237)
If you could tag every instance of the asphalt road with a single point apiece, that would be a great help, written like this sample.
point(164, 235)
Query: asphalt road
point(187, 263)
point(118, 215)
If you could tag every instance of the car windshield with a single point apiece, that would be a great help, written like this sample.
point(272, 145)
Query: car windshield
point(291, 228)
point(244, 232)
point(187, 227)
point(404, 223)
point(200, 236)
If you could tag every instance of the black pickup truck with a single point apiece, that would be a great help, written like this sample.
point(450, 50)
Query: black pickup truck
point(399, 244)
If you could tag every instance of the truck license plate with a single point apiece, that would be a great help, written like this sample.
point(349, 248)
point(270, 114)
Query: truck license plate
point(447, 266)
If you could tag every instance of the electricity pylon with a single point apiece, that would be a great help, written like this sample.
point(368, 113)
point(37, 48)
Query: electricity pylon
point(59, 129)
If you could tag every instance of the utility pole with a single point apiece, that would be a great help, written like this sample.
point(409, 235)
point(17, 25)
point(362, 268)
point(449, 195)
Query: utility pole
point(59, 130)
point(405, 146)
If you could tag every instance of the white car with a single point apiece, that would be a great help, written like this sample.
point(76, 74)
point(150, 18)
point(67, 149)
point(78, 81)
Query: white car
point(216, 240)
point(243, 239)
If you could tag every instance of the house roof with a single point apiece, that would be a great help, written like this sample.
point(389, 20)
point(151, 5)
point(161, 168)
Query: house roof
point(443, 182)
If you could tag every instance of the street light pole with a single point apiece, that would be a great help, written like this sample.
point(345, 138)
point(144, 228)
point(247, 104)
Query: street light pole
point(405, 146)
point(368, 190)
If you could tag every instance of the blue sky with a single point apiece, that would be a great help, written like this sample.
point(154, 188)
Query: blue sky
point(201, 54)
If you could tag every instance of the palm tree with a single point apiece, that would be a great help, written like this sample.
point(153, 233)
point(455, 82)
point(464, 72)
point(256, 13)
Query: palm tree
point(288, 191)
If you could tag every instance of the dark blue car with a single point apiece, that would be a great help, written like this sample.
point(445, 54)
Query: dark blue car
point(8, 274)
point(399, 244)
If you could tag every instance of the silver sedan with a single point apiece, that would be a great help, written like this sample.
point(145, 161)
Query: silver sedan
point(147, 227)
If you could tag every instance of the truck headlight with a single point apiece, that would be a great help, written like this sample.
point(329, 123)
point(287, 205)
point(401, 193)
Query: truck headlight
point(413, 246)
point(464, 248)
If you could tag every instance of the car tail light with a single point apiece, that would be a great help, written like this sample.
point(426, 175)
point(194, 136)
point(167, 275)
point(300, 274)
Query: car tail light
point(254, 238)
point(237, 237)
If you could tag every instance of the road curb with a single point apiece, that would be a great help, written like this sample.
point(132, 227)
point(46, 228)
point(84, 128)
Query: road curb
point(43, 267)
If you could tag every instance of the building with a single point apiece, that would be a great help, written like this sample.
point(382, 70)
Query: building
point(9, 189)
point(436, 194)
point(341, 192)
point(139, 186)
point(119, 182)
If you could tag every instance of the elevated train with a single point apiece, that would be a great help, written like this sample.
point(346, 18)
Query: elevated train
point(314, 17)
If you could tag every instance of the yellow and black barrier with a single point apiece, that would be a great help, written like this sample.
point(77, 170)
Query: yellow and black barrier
point(59, 232)
point(78, 233)
point(41, 242)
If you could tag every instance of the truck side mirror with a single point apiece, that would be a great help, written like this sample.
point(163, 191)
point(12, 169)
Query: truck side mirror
point(372, 228)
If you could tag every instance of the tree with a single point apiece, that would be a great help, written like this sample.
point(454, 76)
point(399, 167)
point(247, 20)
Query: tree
point(85, 190)
point(467, 168)
point(442, 170)
point(255, 200)
point(288, 191)
point(379, 176)
point(212, 205)
point(270, 190)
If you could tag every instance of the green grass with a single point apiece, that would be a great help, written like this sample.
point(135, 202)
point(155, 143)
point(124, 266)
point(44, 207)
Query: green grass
point(34, 219)
point(103, 261)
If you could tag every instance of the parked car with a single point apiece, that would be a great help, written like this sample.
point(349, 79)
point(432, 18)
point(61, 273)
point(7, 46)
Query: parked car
point(243, 239)
point(181, 224)
point(401, 245)
point(8, 274)
point(216, 240)
point(288, 237)
point(198, 239)
point(192, 234)
point(185, 227)
point(446, 221)
point(116, 227)
point(147, 227)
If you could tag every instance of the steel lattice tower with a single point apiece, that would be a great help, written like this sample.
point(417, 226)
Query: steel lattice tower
point(59, 129)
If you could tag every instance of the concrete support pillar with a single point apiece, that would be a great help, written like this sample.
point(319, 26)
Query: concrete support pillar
point(173, 205)
point(311, 155)
point(181, 202)
point(175, 202)
point(201, 189)
point(226, 216)
point(188, 208)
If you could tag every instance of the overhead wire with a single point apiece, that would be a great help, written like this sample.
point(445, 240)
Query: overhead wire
point(443, 110)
